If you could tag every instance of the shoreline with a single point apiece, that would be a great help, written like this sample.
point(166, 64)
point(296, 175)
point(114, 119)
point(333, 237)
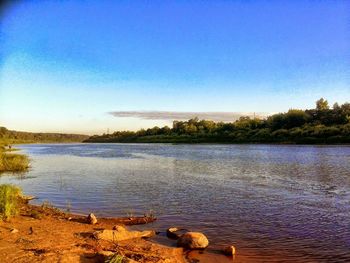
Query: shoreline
point(189, 143)
point(46, 234)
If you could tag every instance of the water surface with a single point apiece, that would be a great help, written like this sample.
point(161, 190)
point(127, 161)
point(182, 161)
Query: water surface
point(290, 202)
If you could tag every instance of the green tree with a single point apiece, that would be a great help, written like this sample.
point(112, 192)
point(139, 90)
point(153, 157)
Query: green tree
point(322, 105)
point(276, 121)
point(295, 118)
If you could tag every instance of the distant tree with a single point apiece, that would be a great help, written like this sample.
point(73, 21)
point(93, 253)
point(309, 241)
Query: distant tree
point(207, 125)
point(345, 112)
point(193, 121)
point(276, 121)
point(295, 118)
point(322, 114)
point(336, 106)
point(245, 122)
point(178, 126)
point(141, 132)
point(190, 128)
point(322, 105)
point(320, 125)
point(165, 130)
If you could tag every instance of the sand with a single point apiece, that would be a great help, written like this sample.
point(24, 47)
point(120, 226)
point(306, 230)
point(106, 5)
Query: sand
point(45, 234)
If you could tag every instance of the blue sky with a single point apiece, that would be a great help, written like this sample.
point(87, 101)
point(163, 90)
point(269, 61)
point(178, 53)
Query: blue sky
point(65, 65)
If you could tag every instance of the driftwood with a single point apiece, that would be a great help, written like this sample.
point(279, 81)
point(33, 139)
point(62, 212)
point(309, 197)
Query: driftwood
point(135, 220)
point(27, 198)
point(121, 234)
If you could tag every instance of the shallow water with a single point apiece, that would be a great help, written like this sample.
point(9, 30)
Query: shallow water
point(290, 202)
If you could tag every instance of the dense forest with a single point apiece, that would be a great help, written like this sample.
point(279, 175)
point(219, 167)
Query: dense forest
point(320, 125)
point(9, 137)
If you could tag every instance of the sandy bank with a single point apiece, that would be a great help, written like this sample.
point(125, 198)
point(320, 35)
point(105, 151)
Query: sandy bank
point(48, 235)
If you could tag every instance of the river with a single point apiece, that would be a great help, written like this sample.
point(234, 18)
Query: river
point(285, 201)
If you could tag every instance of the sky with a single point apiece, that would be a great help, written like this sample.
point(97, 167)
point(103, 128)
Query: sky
point(88, 66)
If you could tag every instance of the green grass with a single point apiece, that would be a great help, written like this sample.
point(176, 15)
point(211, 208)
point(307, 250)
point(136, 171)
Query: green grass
point(35, 214)
point(9, 195)
point(11, 150)
point(116, 259)
point(10, 162)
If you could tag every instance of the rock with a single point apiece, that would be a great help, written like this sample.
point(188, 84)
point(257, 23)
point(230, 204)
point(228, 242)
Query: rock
point(171, 232)
point(105, 254)
point(92, 219)
point(175, 232)
point(229, 250)
point(193, 240)
point(14, 231)
point(119, 228)
point(122, 234)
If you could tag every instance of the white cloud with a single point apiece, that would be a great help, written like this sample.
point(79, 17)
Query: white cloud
point(177, 115)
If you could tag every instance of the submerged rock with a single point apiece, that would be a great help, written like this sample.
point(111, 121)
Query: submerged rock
point(120, 234)
point(92, 219)
point(193, 240)
point(229, 250)
point(175, 232)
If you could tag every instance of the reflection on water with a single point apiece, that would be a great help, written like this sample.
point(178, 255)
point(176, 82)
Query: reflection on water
point(273, 201)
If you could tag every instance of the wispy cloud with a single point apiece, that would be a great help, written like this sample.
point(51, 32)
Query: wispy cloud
point(178, 115)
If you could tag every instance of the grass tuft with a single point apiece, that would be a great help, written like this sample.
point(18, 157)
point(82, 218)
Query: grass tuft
point(10, 162)
point(116, 259)
point(35, 214)
point(9, 195)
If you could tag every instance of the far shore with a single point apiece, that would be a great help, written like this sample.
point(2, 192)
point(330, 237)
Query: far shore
point(189, 143)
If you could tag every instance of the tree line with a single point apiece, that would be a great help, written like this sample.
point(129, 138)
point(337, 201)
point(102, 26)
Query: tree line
point(323, 124)
point(10, 136)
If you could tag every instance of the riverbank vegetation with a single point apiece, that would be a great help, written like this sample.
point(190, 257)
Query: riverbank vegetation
point(11, 137)
point(11, 162)
point(9, 195)
point(324, 124)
